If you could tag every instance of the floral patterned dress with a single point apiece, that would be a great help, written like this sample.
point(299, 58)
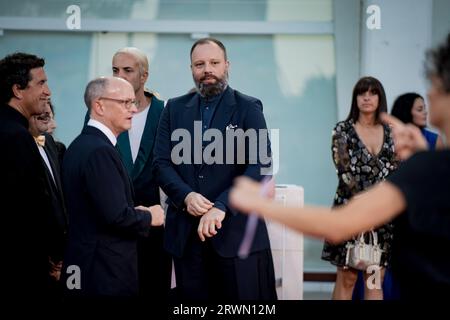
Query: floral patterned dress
point(357, 170)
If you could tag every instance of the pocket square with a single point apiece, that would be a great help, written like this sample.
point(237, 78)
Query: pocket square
point(230, 126)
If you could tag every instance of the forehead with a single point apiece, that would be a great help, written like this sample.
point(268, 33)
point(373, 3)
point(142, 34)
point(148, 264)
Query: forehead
point(418, 102)
point(207, 51)
point(125, 60)
point(121, 89)
point(38, 74)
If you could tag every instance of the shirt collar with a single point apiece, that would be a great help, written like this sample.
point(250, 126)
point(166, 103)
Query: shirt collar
point(107, 132)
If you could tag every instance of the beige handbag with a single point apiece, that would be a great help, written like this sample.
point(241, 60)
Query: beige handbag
point(361, 255)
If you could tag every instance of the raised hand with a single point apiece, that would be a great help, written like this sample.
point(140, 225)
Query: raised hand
point(196, 204)
point(246, 195)
point(407, 137)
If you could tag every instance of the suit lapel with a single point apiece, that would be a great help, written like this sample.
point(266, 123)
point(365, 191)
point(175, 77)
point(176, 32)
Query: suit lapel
point(90, 130)
point(54, 168)
point(148, 137)
point(223, 113)
point(190, 115)
point(124, 148)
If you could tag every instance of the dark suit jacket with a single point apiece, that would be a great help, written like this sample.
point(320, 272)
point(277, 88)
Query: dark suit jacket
point(103, 224)
point(58, 220)
point(212, 181)
point(25, 205)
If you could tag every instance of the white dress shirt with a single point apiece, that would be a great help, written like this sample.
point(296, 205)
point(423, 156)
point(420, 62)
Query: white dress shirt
point(100, 126)
point(47, 162)
point(136, 131)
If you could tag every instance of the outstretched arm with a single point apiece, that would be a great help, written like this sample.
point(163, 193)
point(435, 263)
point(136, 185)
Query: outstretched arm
point(373, 208)
point(440, 143)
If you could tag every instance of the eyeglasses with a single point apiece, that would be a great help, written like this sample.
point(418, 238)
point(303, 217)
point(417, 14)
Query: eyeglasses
point(126, 103)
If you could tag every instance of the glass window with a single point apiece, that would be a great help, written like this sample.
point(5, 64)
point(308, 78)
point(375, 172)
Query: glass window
point(226, 10)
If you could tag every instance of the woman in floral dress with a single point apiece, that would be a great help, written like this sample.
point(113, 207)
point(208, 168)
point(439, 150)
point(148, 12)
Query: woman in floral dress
point(363, 153)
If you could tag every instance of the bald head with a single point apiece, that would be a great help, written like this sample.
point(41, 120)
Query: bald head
point(100, 87)
point(111, 101)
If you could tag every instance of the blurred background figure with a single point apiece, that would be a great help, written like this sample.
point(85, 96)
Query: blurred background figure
point(363, 153)
point(56, 233)
point(135, 147)
point(51, 127)
point(410, 108)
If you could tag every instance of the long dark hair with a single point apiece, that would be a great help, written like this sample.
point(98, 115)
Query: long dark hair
point(402, 106)
point(363, 85)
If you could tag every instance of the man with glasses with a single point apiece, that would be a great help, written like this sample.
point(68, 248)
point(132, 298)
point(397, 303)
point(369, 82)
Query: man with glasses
point(136, 150)
point(57, 218)
point(25, 203)
point(104, 222)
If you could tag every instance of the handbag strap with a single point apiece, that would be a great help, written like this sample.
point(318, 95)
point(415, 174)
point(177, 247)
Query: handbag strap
point(361, 239)
point(374, 237)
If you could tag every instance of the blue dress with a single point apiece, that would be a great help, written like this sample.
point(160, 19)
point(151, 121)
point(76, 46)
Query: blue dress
point(431, 138)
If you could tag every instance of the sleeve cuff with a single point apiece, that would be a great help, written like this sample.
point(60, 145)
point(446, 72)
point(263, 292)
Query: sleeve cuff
point(220, 205)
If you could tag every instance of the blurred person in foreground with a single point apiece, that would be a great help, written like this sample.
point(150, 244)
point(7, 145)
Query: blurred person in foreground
point(416, 195)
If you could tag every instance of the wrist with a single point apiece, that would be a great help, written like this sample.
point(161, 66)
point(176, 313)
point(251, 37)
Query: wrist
point(263, 205)
point(187, 197)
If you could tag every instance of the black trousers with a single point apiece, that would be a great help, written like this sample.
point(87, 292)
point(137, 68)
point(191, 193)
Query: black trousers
point(154, 267)
point(203, 275)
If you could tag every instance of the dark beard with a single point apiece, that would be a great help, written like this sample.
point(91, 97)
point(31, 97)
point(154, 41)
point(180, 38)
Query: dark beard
point(210, 90)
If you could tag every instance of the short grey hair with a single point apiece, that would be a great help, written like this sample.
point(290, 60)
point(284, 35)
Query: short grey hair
point(94, 90)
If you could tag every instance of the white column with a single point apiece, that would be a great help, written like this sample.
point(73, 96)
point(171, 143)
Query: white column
point(395, 53)
point(347, 19)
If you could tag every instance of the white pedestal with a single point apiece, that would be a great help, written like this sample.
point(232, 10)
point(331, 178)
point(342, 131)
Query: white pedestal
point(287, 247)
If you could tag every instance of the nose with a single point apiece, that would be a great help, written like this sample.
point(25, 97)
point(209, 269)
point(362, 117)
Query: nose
point(119, 74)
point(207, 67)
point(133, 108)
point(47, 90)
